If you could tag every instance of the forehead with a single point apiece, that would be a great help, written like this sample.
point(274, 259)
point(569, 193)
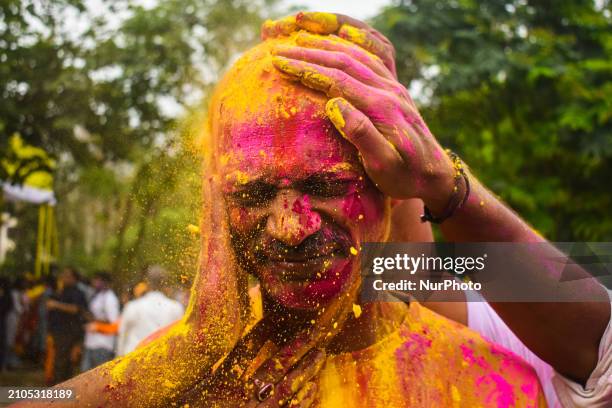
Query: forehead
point(293, 145)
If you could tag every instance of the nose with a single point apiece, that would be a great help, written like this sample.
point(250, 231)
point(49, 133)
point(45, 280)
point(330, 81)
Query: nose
point(292, 218)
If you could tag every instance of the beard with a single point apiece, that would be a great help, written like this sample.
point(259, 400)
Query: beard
point(303, 276)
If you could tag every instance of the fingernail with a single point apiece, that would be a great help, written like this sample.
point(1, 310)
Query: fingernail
point(275, 28)
point(333, 109)
point(279, 49)
point(282, 63)
point(317, 22)
point(353, 34)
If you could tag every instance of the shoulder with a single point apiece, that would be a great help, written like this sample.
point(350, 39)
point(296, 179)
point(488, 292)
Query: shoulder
point(111, 297)
point(467, 359)
point(173, 305)
point(452, 337)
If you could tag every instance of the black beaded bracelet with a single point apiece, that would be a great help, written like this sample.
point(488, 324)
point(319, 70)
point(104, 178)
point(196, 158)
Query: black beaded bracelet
point(456, 201)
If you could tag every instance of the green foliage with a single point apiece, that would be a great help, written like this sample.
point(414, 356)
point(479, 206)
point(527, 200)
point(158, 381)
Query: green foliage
point(101, 92)
point(522, 90)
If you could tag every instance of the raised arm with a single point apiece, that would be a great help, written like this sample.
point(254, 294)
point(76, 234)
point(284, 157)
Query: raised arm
point(376, 114)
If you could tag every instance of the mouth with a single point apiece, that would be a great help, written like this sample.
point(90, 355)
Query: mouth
point(306, 269)
point(316, 260)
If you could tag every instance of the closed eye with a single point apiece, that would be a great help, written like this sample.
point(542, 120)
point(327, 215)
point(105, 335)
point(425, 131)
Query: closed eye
point(254, 194)
point(322, 186)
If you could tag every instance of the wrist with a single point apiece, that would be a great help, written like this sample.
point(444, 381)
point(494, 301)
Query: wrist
point(440, 187)
point(451, 197)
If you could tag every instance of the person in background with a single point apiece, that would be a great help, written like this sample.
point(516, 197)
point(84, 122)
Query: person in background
point(145, 315)
point(13, 321)
point(50, 285)
point(140, 289)
point(84, 286)
point(104, 308)
point(64, 324)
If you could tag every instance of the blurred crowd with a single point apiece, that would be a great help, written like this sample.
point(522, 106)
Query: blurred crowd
point(68, 323)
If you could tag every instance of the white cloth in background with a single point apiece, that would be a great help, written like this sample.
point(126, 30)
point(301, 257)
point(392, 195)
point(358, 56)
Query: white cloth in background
point(28, 194)
point(143, 316)
point(105, 307)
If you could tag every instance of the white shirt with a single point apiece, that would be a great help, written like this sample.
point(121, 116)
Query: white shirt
point(105, 307)
point(143, 316)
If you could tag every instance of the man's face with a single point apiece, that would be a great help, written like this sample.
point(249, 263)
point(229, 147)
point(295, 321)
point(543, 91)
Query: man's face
point(299, 205)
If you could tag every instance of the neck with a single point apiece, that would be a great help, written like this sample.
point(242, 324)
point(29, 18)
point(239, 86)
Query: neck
point(377, 321)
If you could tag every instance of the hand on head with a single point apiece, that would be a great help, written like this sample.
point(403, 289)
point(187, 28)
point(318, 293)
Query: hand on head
point(367, 105)
point(330, 24)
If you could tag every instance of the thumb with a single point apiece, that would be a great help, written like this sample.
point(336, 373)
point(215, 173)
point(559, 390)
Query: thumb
point(376, 151)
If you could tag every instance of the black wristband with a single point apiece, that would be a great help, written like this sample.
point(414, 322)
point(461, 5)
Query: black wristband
point(456, 201)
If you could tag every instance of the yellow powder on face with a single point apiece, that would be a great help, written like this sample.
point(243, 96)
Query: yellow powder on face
point(356, 310)
point(354, 251)
point(238, 177)
point(225, 158)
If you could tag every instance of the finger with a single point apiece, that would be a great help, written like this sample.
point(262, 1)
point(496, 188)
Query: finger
point(305, 397)
point(338, 60)
point(318, 22)
point(312, 21)
point(329, 23)
point(296, 379)
point(331, 81)
point(351, 29)
point(276, 28)
point(367, 39)
point(333, 43)
point(377, 103)
point(377, 153)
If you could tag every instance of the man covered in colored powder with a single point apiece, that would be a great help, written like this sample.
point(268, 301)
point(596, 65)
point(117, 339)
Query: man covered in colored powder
point(309, 139)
